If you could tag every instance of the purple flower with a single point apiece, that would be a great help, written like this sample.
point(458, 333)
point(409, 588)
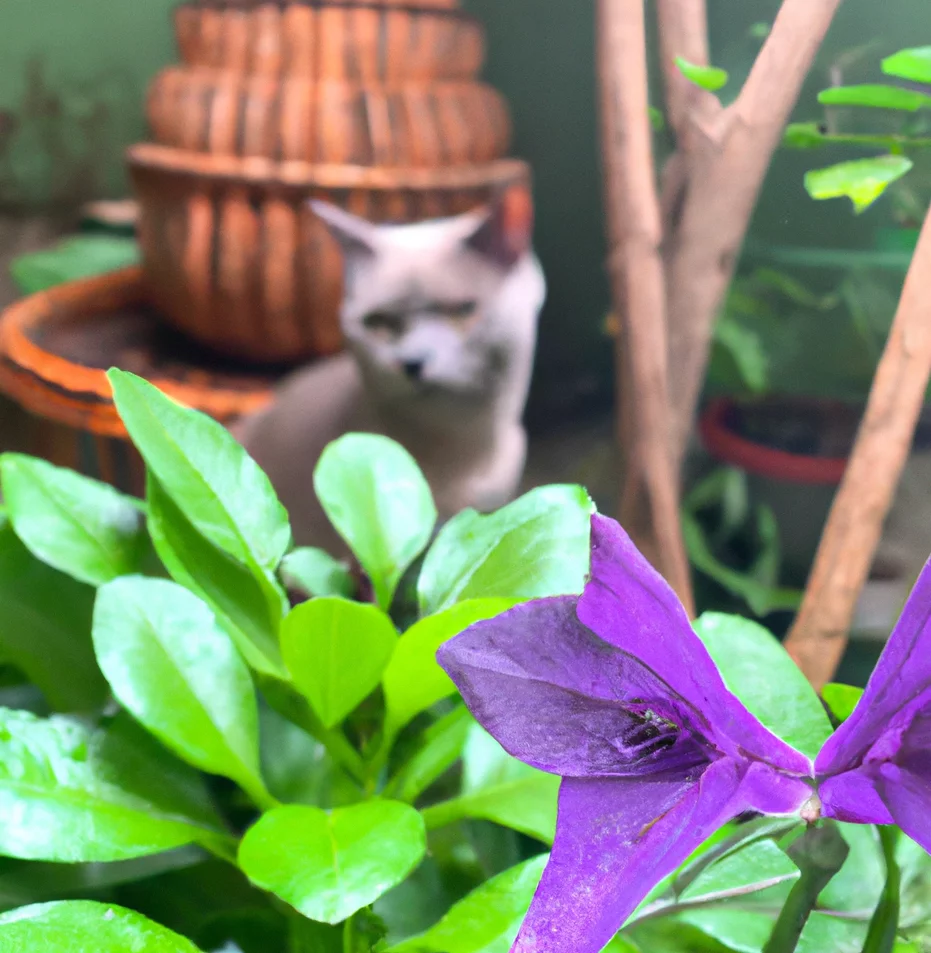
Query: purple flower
point(876, 768)
point(614, 692)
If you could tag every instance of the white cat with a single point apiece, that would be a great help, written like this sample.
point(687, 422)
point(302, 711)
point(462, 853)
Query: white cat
point(441, 322)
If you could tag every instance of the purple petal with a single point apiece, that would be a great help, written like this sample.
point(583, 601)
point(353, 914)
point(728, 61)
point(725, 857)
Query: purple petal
point(854, 797)
point(902, 673)
point(628, 604)
point(615, 838)
point(559, 698)
point(907, 793)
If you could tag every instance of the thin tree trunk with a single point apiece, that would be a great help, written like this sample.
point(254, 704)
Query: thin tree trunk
point(848, 545)
point(638, 284)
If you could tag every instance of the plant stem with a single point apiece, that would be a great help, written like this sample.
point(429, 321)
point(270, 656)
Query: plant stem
point(348, 936)
point(820, 853)
point(444, 813)
point(884, 924)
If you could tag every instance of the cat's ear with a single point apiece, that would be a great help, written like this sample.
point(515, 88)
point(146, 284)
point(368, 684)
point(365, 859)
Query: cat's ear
point(355, 235)
point(505, 233)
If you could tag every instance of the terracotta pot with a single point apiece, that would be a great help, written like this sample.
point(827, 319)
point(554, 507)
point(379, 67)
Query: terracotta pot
point(56, 346)
point(354, 42)
point(300, 119)
point(238, 260)
point(797, 485)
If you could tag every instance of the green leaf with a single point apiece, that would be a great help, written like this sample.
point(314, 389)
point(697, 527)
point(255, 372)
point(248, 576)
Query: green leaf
point(45, 627)
point(861, 180)
point(414, 681)
point(841, 699)
point(77, 926)
point(657, 119)
point(249, 605)
point(912, 64)
point(441, 747)
point(487, 920)
point(179, 674)
point(707, 77)
point(380, 503)
point(336, 652)
point(77, 525)
point(211, 478)
point(317, 573)
point(759, 671)
point(501, 789)
point(82, 256)
point(72, 795)
point(876, 96)
point(328, 866)
point(745, 931)
point(756, 867)
point(811, 135)
point(536, 546)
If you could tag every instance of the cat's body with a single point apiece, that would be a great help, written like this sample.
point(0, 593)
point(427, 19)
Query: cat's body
point(441, 320)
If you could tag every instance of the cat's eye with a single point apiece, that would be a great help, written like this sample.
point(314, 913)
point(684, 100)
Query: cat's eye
point(459, 309)
point(384, 321)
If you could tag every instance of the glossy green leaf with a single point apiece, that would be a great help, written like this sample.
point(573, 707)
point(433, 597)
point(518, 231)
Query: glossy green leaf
point(414, 681)
point(812, 135)
point(317, 573)
point(45, 627)
point(72, 795)
point(211, 478)
point(759, 671)
point(841, 699)
point(756, 867)
point(82, 256)
point(861, 180)
point(77, 525)
point(336, 652)
point(178, 673)
point(329, 865)
point(708, 77)
point(487, 920)
point(876, 96)
point(499, 788)
point(745, 931)
point(536, 546)
point(248, 604)
point(912, 64)
point(441, 747)
point(380, 503)
point(80, 926)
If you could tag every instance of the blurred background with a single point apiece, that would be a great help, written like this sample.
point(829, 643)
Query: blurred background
point(816, 290)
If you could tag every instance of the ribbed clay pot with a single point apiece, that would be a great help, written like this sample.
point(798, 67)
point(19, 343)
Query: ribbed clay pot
point(238, 260)
point(353, 42)
point(297, 118)
point(55, 349)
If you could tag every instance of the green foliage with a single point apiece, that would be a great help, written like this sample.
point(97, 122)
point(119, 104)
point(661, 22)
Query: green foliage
point(82, 256)
point(841, 699)
point(913, 64)
point(707, 77)
point(336, 652)
point(875, 96)
point(534, 547)
point(68, 927)
point(375, 495)
point(331, 865)
point(760, 672)
point(860, 180)
point(255, 776)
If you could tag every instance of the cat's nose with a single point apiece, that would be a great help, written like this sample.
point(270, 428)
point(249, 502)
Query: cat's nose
point(413, 370)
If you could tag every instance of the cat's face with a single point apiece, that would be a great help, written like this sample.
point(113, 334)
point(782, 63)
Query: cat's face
point(419, 303)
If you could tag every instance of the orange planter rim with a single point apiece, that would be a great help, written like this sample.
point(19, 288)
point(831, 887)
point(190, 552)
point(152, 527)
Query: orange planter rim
point(255, 170)
point(78, 396)
point(432, 9)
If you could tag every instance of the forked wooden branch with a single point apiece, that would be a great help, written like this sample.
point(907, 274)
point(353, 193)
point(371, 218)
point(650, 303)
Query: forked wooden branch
point(637, 279)
point(726, 159)
point(819, 636)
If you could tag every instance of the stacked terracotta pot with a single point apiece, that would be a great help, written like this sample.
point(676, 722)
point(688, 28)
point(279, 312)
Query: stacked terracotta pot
point(371, 105)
